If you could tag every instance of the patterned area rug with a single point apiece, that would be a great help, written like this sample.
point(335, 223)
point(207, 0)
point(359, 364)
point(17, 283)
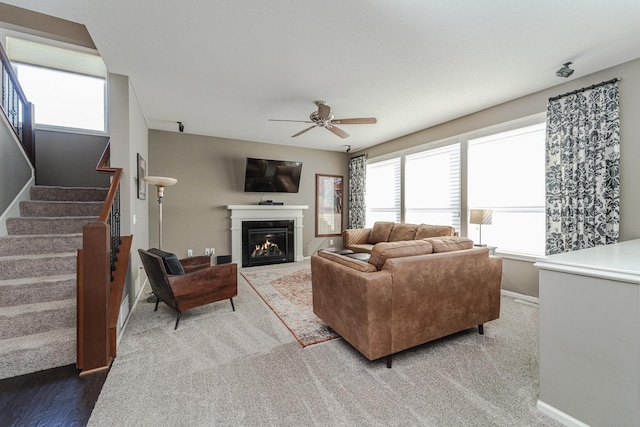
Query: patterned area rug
point(287, 291)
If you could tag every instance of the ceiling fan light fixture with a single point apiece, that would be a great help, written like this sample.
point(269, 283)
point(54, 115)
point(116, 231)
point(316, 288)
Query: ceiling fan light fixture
point(565, 71)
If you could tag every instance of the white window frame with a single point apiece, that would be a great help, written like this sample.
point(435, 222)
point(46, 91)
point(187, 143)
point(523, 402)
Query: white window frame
point(463, 139)
point(34, 51)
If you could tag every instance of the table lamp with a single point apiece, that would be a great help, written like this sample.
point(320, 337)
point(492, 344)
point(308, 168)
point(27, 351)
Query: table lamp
point(480, 217)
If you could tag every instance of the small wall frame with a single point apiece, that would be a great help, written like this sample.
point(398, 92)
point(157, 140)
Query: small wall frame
point(329, 204)
point(142, 171)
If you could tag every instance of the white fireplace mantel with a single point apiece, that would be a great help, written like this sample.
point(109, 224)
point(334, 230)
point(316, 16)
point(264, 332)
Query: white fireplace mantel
point(241, 213)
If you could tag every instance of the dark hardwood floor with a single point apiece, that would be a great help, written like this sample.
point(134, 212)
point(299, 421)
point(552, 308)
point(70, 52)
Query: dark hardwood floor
point(55, 397)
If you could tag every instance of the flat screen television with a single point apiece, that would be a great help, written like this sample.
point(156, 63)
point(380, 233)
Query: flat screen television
point(272, 176)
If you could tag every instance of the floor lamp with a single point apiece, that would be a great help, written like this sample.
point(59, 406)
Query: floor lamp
point(480, 216)
point(160, 182)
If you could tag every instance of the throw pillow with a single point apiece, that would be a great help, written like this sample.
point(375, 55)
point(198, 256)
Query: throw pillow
point(380, 232)
point(171, 262)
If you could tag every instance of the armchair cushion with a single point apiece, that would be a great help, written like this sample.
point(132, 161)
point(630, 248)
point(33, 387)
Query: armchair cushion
point(171, 262)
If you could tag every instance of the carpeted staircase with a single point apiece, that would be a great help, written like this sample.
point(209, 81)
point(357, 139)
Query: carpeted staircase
point(38, 278)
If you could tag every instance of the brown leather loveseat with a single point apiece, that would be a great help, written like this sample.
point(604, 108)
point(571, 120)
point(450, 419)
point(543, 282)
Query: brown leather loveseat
point(363, 239)
point(407, 294)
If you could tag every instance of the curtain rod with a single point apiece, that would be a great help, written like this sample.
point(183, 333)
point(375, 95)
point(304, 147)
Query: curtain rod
point(361, 155)
point(573, 92)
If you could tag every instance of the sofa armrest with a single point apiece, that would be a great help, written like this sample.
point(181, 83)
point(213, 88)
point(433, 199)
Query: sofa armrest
point(207, 285)
point(356, 304)
point(355, 236)
point(439, 294)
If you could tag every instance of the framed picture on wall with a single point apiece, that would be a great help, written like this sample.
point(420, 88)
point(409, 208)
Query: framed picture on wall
point(142, 171)
point(328, 205)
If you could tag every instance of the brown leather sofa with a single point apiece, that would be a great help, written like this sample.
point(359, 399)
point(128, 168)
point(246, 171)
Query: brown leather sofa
point(407, 294)
point(363, 239)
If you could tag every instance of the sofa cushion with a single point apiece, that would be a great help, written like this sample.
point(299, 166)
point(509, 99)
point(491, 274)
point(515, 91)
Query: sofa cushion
point(356, 264)
point(425, 230)
point(403, 232)
point(380, 232)
point(449, 244)
point(381, 252)
point(171, 263)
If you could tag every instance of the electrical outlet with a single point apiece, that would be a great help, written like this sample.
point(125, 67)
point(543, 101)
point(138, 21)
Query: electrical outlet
point(331, 242)
point(212, 251)
point(189, 252)
point(206, 251)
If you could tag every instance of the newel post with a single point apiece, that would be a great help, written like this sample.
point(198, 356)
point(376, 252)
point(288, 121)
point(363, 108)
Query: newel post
point(93, 304)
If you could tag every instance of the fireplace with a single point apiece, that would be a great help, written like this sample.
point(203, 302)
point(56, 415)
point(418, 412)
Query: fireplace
point(267, 242)
point(265, 213)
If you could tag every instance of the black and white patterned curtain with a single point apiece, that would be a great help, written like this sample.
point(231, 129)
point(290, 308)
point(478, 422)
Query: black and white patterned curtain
point(583, 169)
point(357, 191)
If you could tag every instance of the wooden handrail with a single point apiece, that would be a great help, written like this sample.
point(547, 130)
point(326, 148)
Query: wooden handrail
point(101, 278)
point(102, 167)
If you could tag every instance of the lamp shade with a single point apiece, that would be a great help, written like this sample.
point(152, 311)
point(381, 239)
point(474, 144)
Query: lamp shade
point(160, 181)
point(480, 216)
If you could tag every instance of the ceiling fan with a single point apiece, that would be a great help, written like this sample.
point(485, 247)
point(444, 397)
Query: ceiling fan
point(323, 118)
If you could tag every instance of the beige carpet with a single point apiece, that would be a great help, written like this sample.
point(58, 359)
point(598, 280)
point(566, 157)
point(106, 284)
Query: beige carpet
point(287, 291)
point(244, 368)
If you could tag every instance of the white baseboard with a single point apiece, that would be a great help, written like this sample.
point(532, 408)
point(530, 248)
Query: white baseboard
point(13, 210)
point(135, 304)
point(523, 297)
point(558, 415)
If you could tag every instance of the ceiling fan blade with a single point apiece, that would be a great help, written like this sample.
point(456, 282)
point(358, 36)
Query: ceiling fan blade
point(338, 131)
point(296, 121)
point(303, 131)
point(360, 121)
point(323, 110)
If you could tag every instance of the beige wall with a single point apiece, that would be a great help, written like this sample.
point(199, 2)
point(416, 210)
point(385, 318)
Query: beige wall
point(210, 173)
point(520, 276)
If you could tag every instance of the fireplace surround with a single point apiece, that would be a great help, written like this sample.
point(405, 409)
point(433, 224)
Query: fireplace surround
point(241, 213)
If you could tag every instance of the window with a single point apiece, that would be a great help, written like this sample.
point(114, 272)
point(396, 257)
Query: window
point(506, 173)
point(432, 186)
point(67, 87)
point(64, 99)
point(383, 191)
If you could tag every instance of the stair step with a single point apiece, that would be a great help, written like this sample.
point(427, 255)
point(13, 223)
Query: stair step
point(39, 244)
point(33, 290)
point(30, 319)
point(53, 193)
point(33, 353)
point(60, 225)
point(23, 266)
point(40, 208)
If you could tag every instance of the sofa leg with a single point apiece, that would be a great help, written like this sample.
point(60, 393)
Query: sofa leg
point(389, 357)
point(481, 329)
point(232, 306)
point(177, 320)
point(157, 302)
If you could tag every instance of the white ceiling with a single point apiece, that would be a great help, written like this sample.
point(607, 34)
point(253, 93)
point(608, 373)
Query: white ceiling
point(225, 67)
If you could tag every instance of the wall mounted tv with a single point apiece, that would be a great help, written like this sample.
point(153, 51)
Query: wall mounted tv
point(272, 176)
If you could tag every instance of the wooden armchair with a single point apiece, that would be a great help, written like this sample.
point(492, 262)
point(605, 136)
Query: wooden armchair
point(201, 284)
